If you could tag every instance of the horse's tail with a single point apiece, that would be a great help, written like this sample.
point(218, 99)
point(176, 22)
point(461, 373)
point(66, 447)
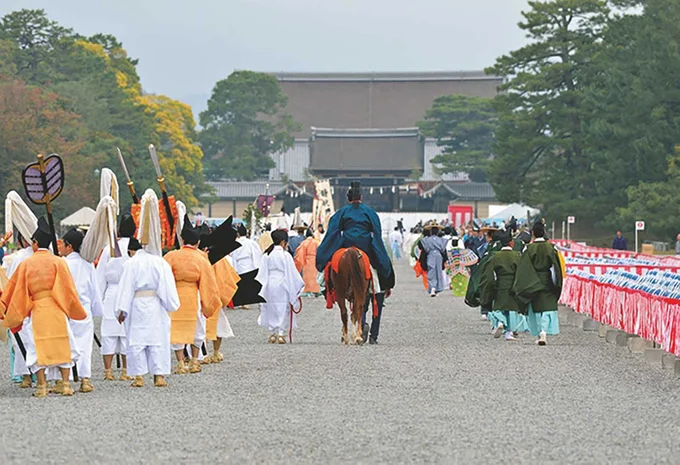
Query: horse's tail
point(357, 278)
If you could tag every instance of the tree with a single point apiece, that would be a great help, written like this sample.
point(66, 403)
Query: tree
point(540, 150)
point(464, 128)
point(180, 157)
point(38, 41)
point(244, 123)
point(32, 122)
point(94, 80)
point(652, 203)
point(632, 108)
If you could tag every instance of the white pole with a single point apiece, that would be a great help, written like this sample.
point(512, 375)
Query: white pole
point(636, 239)
point(552, 235)
point(562, 230)
point(568, 231)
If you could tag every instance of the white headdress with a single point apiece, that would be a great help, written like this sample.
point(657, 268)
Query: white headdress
point(108, 185)
point(102, 231)
point(17, 214)
point(181, 211)
point(149, 232)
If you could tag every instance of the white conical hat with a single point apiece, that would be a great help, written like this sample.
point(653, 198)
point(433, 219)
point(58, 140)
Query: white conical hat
point(297, 220)
point(149, 233)
point(108, 185)
point(17, 214)
point(102, 231)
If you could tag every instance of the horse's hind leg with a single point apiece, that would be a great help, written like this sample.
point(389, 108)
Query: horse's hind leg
point(357, 322)
point(343, 316)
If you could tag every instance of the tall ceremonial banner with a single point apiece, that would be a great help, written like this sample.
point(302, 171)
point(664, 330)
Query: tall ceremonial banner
point(323, 200)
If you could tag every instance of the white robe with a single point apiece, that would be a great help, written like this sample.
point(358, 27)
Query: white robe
point(109, 271)
point(282, 286)
point(248, 257)
point(20, 368)
point(147, 323)
point(83, 274)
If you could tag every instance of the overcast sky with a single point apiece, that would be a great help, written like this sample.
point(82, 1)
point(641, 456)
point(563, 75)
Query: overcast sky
point(185, 46)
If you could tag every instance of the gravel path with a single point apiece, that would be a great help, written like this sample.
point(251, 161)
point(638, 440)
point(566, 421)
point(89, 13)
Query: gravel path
point(438, 389)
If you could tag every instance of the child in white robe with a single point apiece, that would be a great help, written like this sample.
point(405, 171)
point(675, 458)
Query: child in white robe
point(282, 287)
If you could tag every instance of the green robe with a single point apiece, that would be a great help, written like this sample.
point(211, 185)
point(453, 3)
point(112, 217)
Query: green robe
point(497, 280)
point(472, 296)
point(534, 279)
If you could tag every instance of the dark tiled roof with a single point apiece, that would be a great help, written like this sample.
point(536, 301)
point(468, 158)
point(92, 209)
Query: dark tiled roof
point(466, 190)
point(366, 150)
point(249, 190)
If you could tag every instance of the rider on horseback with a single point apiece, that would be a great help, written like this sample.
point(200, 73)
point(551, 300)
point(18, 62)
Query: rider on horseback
point(357, 225)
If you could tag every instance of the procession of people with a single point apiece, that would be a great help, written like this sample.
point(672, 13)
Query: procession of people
point(164, 288)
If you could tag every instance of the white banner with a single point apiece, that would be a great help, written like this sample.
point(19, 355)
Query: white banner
point(323, 201)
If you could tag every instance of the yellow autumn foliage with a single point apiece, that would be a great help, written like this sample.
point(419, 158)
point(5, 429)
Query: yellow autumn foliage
point(179, 156)
point(94, 49)
point(174, 125)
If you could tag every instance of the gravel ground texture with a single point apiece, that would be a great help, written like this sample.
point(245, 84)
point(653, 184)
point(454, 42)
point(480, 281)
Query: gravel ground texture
point(437, 389)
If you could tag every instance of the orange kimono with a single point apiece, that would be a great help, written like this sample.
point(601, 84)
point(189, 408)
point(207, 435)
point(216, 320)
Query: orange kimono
point(193, 275)
point(227, 283)
point(43, 288)
point(305, 262)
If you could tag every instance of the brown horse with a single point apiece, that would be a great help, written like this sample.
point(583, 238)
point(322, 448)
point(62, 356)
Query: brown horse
point(351, 285)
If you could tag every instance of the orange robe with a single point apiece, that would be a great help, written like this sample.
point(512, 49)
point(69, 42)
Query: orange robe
point(305, 262)
point(43, 288)
point(227, 283)
point(193, 275)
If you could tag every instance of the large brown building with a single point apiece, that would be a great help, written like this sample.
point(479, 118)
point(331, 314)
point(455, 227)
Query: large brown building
point(374, 100)
point(362, 126)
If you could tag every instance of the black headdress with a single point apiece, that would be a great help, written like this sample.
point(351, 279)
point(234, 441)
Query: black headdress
point(74, 238)
point(354, 192)
point(279, 236)
point(134, 244)
point(242, 231)
point(538, 229)
point(127, 226)
point(221, 241)
point(504, 237)
point(42, 235)
point(190, 235)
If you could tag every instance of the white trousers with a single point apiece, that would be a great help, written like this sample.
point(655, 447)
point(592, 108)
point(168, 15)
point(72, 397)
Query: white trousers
point(83, 334)
point(142, 360)
point(20, 368)
point(114, 345)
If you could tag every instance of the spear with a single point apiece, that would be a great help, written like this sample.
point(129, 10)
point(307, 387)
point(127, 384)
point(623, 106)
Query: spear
point(164, 192)
point(130, 184)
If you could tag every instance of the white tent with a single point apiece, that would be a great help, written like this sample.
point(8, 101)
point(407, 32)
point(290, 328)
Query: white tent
point(82, 217)
point(517, 210)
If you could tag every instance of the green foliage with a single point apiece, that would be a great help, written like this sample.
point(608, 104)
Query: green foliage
point(589, 115)
point(464, 128)
point(248, 217)
point(244, 123)
point(541, 154)
point(654, 203)
point(87, 99)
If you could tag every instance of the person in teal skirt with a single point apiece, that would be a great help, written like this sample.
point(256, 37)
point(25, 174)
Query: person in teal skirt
point(498, 277)
point(538, 285)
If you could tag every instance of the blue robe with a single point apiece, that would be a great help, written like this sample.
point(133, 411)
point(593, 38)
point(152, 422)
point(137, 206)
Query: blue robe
point(434, 247)
point(294, 242)
point(355, 225)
